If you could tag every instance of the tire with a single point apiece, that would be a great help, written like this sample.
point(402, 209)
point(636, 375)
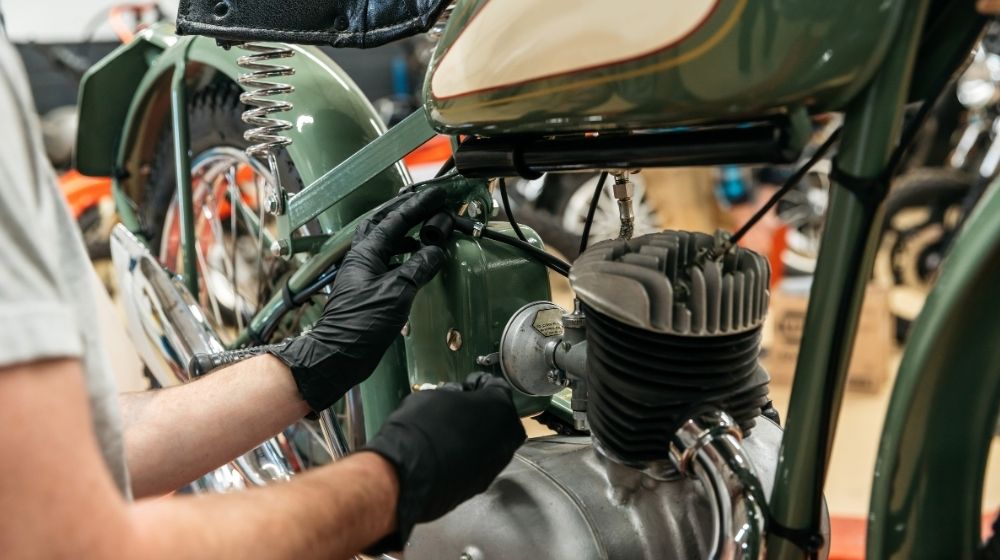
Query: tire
point(925, 186)
point(215, 119)
point(911, 253)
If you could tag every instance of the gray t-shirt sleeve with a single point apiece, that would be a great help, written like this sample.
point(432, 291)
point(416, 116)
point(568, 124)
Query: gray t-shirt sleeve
point(47, 308)
point(36, 320)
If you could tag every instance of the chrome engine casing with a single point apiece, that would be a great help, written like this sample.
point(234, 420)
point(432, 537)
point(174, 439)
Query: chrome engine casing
point(554, 501)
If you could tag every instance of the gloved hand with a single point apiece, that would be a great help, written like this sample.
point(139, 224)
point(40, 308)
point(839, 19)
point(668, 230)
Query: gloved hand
point(446, 445)
point(370, 302)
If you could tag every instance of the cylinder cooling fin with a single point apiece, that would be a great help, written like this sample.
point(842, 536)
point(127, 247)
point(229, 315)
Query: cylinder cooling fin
point(669, 331)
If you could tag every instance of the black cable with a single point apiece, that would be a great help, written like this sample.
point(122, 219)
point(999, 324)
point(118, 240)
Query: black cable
point(909, 134)
point(789, 185)
point(592, 210)
point(502, 184)
point(468, 227)
point(449, 164)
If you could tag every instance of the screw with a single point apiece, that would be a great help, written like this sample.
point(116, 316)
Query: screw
point(454, 340)
point(272, 204)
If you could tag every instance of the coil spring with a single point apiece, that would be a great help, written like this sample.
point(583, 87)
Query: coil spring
point(260, 89)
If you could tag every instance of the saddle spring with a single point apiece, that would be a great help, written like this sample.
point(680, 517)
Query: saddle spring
point(260, 88)
point(266, 129)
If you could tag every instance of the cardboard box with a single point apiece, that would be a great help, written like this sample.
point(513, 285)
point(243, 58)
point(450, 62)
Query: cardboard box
point(869, 368)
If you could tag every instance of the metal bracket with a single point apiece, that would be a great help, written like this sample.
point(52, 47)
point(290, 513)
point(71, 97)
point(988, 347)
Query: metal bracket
point(339, 182)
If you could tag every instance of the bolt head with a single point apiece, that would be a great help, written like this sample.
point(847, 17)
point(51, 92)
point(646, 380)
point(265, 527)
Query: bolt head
point(272, 204)
point(454, 340)
point(281, 248)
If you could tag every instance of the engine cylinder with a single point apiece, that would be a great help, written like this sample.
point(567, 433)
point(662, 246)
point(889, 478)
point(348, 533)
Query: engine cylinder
point(670, 331)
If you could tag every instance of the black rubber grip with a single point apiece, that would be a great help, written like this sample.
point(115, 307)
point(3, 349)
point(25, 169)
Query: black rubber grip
point(437, 229)
point(202, 364)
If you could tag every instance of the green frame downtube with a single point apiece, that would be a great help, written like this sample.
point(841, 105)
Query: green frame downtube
point(845, 263)
point(927, 490)
point(182, 170)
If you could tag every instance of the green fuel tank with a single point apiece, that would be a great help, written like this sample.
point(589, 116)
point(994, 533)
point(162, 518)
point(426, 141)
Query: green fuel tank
point(554, 66)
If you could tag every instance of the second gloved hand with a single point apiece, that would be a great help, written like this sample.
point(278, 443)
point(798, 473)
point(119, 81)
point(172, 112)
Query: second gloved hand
point(370, 302)
point(446, 445)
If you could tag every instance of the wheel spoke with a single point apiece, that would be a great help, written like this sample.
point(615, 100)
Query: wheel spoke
point(234, 195)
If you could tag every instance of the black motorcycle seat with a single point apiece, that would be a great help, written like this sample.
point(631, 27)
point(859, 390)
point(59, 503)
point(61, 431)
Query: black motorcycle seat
point(339, 23)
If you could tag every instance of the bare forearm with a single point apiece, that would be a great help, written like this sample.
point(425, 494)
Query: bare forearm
point(175, 435)
point(334, 512)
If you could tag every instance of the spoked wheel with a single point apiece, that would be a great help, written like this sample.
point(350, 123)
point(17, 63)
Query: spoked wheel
point(922, 216)
point(562, 201)
point(803, 210)
point(237, 273)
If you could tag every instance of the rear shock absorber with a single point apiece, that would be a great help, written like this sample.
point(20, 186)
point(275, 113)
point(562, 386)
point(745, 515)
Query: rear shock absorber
point(266, 132)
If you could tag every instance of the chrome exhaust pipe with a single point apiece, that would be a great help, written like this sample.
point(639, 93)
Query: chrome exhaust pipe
point(168, 330)
point(708, 448)
point(164, 320)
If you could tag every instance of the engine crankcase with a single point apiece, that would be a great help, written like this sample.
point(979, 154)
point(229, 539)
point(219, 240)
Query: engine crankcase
point(554, 501)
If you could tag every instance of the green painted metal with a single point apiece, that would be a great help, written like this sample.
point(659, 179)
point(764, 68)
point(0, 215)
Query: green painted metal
point(105, 93)
point(386, 387)
point(927, 490)
point(748, 59)
point(482, 284)
point(844, 265)
point(459, 189)
point(338, 183)
point(182, 170)
point(331, 120)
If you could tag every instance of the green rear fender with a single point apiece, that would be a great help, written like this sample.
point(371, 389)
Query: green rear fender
point(124, 104)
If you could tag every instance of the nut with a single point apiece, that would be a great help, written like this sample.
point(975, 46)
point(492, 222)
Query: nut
point(623, 189)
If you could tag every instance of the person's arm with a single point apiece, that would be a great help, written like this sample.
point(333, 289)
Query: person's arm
point(175, 435)
point(60, 501)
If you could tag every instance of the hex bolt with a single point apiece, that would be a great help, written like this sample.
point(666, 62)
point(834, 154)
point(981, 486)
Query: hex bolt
point(454, 340)
point(281, 248)
point(272, 205)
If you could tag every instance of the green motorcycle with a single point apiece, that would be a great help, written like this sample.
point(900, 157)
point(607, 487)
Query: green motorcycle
point(667, 445)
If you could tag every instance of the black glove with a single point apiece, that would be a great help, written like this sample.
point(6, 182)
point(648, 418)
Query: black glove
point(370, 302)
point(446, 445)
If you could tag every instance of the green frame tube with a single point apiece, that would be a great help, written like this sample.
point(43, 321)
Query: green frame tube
point(182, 170)
point(928, 480)
point(844, 265)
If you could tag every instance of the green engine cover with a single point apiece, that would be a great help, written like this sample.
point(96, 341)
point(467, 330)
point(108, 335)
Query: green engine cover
point(460, 315)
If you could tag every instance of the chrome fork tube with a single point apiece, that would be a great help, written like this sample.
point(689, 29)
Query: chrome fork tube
point(708, 448)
